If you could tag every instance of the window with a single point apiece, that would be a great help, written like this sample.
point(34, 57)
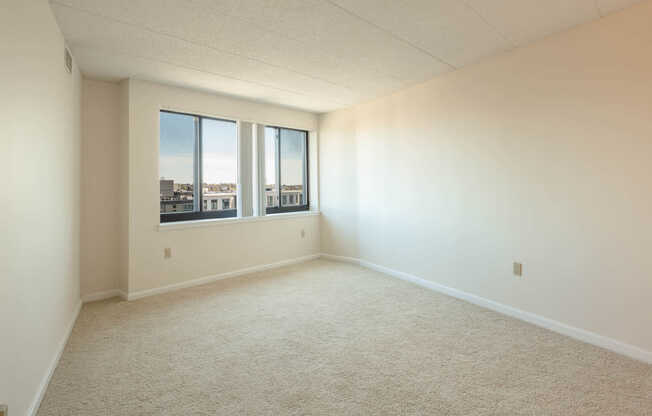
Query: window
point(286, 170)
point(197, 162)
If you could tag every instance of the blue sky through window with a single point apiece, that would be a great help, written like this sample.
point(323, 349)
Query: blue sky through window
point(177, 137)
point(177, 147)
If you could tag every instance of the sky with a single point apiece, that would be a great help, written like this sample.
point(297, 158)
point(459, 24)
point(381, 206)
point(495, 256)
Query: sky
point(292, 148)
point(220, 144)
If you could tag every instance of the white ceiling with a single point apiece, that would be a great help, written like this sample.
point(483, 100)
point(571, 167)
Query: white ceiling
point(317, 55)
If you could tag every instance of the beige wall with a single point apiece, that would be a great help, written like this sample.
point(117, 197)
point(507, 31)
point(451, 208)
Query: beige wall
point(40, 199)
point(203, 251)
point(122, 245)
point(338, 184)
point(540, 155)
point(103, 190)
point(123, 277)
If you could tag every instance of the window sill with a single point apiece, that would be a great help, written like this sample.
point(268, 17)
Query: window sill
point(173, 226)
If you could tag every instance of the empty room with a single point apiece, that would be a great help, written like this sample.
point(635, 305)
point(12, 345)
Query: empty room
point(326, 207)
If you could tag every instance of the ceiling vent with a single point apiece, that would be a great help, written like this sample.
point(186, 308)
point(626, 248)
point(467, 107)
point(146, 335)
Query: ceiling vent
point(67, 58)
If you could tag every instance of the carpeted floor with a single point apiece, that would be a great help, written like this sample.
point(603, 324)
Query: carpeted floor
point(325, 338)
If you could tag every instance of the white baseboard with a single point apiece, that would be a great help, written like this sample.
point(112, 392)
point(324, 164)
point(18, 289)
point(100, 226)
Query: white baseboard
point(106, 294)
point(343, 259)
point(559, 327)
point(33, 409)
point(208, 279)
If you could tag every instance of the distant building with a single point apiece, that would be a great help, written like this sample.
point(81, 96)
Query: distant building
point(219, 201)
point(289, 197)
point(220, 197)
point(176, 205)
point(167, 188)
point(211, 201)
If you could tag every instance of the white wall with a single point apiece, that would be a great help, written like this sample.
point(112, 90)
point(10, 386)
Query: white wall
point(103, 191)
point(204, 251)
point(540, 155)
point(40, 199)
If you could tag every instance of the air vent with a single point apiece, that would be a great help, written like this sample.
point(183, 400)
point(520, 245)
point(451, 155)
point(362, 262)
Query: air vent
point(67, 59)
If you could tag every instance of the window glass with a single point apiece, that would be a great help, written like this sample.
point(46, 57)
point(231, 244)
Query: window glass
point(176, 164)
point(219, 161)
point(293, 157)
point(198, 168)
point(198, 163)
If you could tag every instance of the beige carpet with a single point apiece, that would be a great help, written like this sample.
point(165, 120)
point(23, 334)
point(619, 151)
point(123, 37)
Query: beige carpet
point(325, 338)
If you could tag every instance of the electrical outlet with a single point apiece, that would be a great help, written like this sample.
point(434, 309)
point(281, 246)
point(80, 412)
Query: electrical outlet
point(167, 253)
point(3, 410)
point(518, 269)
point(303, 233)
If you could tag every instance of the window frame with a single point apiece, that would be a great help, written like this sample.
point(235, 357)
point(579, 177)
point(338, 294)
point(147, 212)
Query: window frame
point(306, 175)
point(198, 212)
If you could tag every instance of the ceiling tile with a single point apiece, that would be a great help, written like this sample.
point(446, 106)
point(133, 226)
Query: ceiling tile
point(197, 21)
point(448, 29)
point(241, 36)
point(82, 29)
point(127, 66)
point(319, 55)
point(336, 32)
point(610, 6)
point(524, 21)
point(196, 18)
point(298, 56)
point(114, 37)
point(246, 69)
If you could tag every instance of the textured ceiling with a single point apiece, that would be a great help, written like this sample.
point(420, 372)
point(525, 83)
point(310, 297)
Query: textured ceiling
point(317, 55)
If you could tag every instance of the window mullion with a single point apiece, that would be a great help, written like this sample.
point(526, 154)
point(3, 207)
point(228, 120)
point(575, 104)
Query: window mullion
point(278, 166)
point(245, 169)
point(305, 173)
point(260, 176)
point(197, 191)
